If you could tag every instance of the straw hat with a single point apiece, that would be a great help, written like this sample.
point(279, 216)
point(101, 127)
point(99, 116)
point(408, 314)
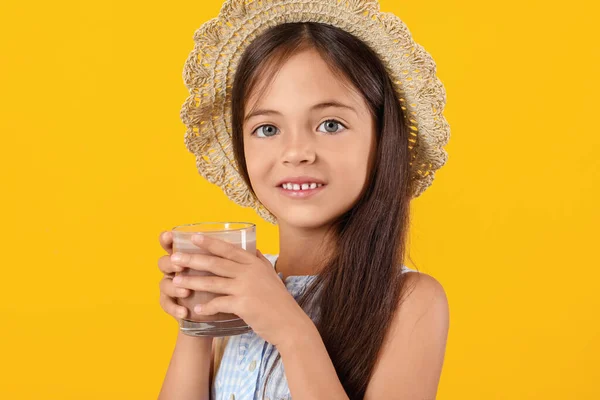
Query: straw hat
point(219, 43)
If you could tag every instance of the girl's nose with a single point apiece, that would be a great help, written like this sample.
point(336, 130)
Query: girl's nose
point(299, 148)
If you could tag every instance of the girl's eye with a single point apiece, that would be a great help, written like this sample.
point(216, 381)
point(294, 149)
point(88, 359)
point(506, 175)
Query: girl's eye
point(268, 132)
point(330, 128)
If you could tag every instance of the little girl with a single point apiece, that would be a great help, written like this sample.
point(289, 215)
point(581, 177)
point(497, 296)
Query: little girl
point(326, 118)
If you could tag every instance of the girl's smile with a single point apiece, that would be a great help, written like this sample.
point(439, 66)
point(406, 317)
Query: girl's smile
point(298, 193)
point(300, 187)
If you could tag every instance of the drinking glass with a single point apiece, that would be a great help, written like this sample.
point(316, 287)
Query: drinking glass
point(242, 234)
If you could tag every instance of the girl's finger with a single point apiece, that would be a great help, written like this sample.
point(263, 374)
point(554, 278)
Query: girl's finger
point(166, 266)
point(224, 304)
point(213, 284)
point(166, 241)
point(169, 305)
point(167, 287)
point(207, 262)
point(223, 249)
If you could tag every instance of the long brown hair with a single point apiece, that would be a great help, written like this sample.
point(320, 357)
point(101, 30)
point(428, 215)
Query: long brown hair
point(359, 285)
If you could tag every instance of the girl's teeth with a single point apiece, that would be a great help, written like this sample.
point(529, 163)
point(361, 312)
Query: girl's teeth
point(297, 186)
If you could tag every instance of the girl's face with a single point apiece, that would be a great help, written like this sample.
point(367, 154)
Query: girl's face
point(290, 135)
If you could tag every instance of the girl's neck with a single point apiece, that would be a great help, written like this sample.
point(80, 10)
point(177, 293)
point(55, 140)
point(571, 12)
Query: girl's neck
point(301, 252)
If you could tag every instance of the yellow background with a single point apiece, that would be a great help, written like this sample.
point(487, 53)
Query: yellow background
point(94, 167)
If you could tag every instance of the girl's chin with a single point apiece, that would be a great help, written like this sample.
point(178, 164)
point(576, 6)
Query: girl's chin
point(296, 215)
point(305, 219)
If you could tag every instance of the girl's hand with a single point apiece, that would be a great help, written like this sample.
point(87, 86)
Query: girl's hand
point(250, 287)
point(168, 291)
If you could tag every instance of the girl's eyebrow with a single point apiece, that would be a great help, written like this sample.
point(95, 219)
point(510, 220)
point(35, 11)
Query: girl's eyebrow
point(319, 106)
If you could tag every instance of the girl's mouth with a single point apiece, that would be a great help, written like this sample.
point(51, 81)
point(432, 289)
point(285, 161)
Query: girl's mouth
point(296, 192)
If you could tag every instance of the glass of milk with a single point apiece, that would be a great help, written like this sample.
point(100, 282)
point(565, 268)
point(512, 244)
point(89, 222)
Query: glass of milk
point(242, 234)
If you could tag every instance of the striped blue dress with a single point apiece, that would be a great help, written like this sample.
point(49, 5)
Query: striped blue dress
point(246, 359)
